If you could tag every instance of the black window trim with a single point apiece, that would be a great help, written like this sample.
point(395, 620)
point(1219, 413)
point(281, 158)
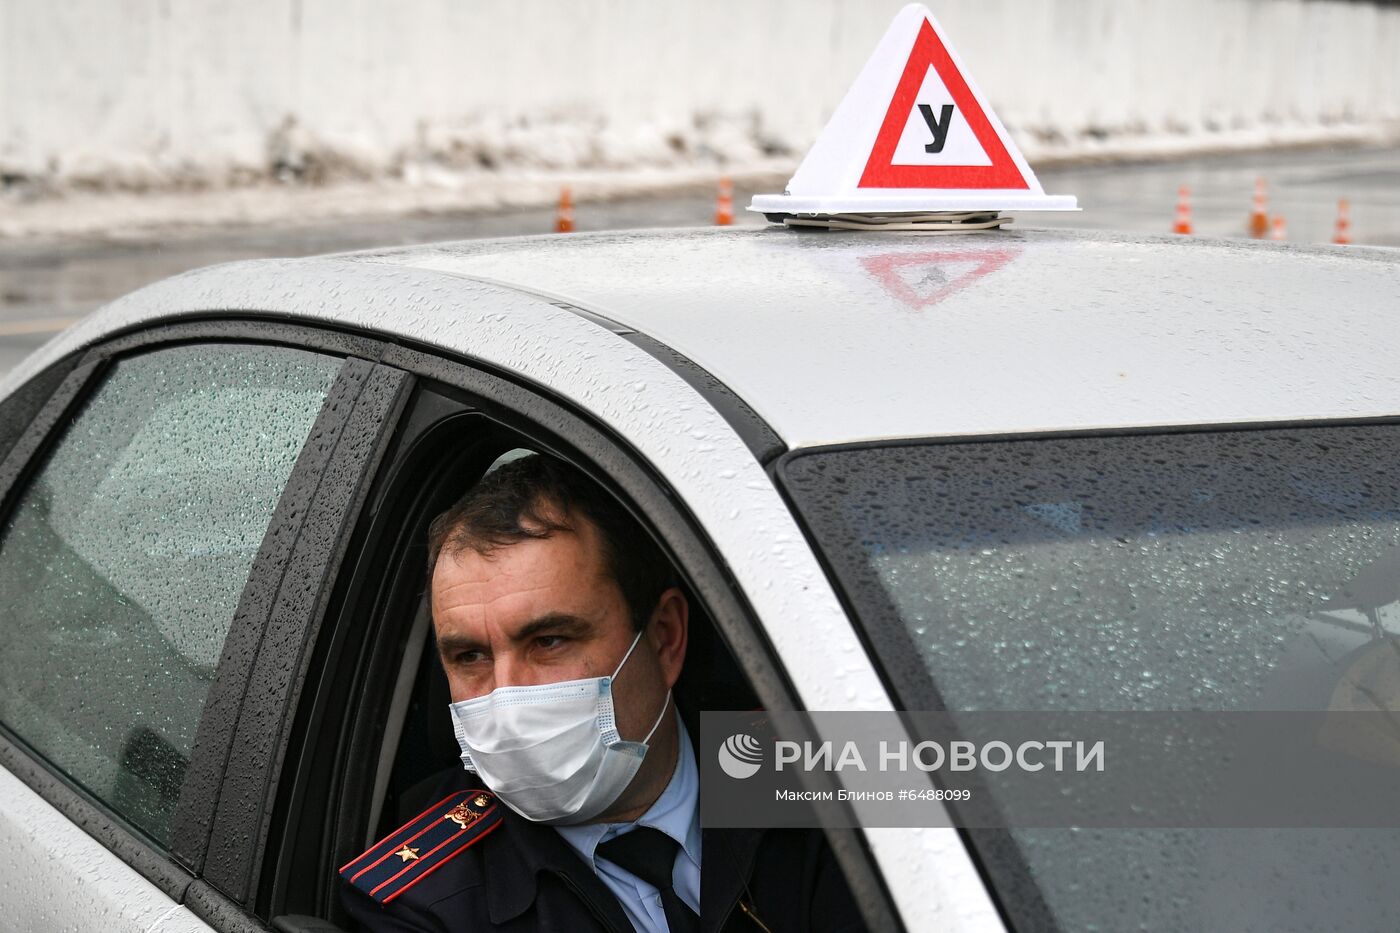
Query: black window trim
point(337, 464)
point(334, 723)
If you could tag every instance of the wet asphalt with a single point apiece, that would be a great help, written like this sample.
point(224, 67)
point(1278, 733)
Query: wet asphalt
point(47, 284)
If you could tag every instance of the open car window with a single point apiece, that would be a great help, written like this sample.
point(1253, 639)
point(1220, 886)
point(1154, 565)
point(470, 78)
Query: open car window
point(375, 731)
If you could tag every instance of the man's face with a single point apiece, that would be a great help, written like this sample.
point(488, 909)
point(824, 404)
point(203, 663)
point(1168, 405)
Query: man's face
point(545, 610)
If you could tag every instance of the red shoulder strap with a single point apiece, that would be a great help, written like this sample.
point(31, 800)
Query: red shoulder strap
point(424, 844)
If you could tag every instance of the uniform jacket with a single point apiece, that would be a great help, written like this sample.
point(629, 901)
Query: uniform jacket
point(521, 876)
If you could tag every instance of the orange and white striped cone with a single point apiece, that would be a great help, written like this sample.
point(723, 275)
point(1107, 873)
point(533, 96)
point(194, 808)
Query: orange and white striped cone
point(1343, 234)
point(1259, 214)
point(724, 203)
point(564, 213)
point(1280, 231)
point(1183, 211)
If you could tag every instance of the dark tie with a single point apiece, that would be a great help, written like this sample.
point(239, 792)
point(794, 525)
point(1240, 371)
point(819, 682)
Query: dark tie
point(650, 854)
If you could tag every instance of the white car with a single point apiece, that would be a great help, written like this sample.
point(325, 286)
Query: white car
point(1019, 470)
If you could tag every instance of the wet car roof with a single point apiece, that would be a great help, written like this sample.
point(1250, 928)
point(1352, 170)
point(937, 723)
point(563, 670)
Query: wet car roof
point(838, 337)
point(845, 337)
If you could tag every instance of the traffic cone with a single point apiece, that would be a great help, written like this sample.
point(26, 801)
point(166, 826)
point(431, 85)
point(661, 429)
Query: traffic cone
point(1280, 232)
point(1183, 210)
point(724, 203)
point(564, 214)
point(1259, 215)
point(1343, 234)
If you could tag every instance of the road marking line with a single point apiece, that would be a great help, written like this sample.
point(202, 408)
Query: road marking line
point(45, 325)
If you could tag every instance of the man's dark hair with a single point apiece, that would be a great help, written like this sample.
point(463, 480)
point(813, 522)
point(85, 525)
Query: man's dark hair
point(537, 496)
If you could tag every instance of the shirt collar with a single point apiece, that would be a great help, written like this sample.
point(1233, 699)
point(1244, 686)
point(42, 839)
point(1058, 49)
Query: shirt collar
point(676, 812)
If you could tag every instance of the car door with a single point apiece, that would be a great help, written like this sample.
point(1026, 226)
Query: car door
point(167, 496)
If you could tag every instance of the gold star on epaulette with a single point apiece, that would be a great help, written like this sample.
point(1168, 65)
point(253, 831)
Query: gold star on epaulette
point(407, 853)
point(481, 800)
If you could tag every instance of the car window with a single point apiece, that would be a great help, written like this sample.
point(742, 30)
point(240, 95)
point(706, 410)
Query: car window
point(123, 559)
point(395, 703)
point(1241, 570)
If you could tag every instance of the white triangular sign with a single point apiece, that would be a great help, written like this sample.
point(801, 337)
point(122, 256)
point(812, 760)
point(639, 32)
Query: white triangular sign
point(912, 134)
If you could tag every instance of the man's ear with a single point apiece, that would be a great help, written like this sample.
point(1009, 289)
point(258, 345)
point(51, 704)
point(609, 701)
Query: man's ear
point(668, 632)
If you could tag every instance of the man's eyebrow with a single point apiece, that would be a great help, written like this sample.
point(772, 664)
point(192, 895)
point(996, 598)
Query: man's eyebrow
point(447, 644)
point(554, 623)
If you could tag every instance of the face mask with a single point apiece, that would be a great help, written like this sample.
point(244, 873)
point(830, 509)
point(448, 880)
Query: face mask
point(552, 751)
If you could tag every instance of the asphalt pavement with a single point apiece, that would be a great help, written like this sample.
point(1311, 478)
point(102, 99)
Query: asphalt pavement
point(46, 285)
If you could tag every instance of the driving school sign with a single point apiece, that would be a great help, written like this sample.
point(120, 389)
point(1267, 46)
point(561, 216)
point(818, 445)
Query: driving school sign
point(913, 134)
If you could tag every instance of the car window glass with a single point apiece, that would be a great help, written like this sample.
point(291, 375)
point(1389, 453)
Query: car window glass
point(1189, 571)
point(123, 560)
point(1233, 570)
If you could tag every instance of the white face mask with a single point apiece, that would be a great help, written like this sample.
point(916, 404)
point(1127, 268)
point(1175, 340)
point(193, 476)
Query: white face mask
point(552, 752)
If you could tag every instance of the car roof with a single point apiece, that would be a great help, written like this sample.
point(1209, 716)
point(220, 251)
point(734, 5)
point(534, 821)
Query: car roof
point(840, 337)
point(837, 337)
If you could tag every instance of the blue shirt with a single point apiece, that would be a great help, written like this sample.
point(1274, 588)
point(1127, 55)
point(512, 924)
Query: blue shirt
point(677, 814)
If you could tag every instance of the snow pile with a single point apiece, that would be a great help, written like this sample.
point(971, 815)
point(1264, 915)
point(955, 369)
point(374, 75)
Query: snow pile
point(451, 96)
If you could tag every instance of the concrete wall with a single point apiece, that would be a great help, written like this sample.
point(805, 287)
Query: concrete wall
point(137, 92)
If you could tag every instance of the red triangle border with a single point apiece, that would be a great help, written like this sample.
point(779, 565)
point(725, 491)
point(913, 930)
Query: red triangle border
point(880, 170)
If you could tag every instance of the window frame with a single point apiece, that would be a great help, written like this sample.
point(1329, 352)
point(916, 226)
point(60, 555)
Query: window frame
point(44, 406)
point(554, 424)
point(349, 688)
